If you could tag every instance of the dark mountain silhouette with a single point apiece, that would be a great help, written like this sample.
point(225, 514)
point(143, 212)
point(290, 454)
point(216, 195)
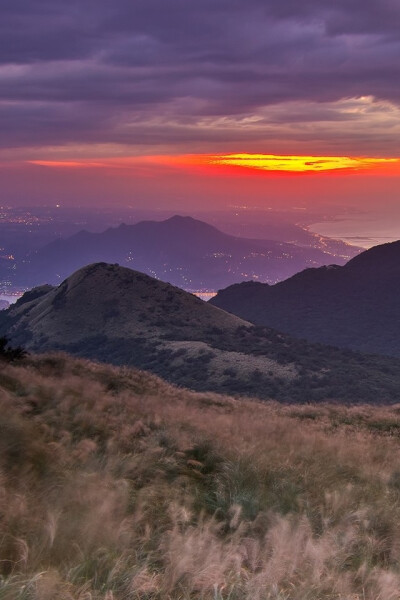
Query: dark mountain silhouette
point(116, 315)
point(356, 306)
point(181, 250)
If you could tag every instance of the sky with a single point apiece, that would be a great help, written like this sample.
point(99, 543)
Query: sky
point(206, 103)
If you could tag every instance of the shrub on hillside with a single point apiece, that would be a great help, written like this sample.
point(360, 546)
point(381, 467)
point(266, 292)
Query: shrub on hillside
point(8, 353)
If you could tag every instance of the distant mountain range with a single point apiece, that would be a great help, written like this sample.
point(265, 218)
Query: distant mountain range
point(181, 250)
point(355, 306)
point(116, 315)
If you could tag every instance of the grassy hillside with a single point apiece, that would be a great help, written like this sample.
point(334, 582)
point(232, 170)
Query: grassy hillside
point(117, 485)
point(119, 316)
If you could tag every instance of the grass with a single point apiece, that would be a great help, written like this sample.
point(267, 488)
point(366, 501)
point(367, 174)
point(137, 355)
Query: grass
point(116, 485)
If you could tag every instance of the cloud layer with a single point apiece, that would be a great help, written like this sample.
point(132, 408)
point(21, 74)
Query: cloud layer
point(140, 76)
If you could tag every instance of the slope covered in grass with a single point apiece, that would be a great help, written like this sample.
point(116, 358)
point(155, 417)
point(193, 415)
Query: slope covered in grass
point(117, 485)
point(123, 317)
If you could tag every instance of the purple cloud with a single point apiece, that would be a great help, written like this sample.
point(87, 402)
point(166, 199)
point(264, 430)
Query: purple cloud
point(145, 71)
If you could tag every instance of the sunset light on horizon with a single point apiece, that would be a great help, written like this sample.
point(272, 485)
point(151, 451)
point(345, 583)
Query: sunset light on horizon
point(251, 162)
point(302, 164)
point(201, 105)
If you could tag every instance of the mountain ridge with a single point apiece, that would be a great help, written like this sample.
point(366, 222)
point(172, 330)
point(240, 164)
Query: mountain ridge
point(124, 317)
point(354, 306)
point(184, 251)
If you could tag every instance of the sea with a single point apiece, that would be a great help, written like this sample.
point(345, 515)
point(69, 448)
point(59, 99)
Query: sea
point(364, 230)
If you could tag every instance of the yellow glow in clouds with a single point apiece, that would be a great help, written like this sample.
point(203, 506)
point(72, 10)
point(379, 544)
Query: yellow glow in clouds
point(250, 162)
point(298, 164)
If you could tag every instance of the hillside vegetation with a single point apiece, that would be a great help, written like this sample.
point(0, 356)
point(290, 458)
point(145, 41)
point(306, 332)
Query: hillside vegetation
point(119, 316)
point(117, 485)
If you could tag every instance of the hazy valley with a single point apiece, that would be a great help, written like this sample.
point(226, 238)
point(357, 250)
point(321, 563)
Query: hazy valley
point(184, 251)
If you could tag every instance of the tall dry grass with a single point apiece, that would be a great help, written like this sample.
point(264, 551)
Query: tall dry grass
point(115, 485)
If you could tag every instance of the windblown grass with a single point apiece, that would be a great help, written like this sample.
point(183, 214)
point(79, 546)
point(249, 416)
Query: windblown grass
point(115, 485)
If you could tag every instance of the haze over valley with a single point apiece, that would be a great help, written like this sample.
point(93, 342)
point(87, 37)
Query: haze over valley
point(45, 245)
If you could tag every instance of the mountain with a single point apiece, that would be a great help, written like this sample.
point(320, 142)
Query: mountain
point(115, 301)
point(119, 316)
point(181, 250)
point(355, 306)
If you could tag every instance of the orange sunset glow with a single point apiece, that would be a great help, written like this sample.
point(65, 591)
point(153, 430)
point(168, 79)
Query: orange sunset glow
point(252, 162)
point(301, 164)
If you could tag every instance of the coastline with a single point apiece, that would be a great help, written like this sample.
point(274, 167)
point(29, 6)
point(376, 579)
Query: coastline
point(363, 231)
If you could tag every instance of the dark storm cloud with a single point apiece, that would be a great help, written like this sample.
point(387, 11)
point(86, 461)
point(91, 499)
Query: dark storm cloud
point(86, 70)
